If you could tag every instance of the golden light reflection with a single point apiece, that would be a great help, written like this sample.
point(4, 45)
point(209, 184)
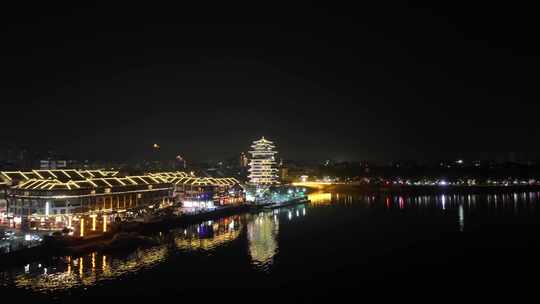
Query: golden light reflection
point(313, 185)
point(320, 198)
point(262, 237)
point(81, 267)
point(63, 278)
point(206, 236)
point(209, 235)
point(93, 261)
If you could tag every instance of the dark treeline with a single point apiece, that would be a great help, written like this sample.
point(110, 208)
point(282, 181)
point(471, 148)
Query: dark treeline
point(441, 170)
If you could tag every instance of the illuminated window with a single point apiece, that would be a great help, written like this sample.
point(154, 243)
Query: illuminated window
point(107, 190)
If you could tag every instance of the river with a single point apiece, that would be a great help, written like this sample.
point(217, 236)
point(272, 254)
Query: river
point(337, 240)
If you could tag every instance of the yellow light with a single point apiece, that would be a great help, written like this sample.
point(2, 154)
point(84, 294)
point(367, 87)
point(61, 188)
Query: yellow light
point(320, 198)
point(93, 260)
point(81, 267)
point(104, 263)
point(82, 227)
point(93, 216)
point(104, 223)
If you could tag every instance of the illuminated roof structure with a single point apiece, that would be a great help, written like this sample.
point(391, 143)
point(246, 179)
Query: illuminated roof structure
point(91, 183)
point(262, 165)
point(14, 177)
point(170, 174)
point(183, 178)
point(204, 181)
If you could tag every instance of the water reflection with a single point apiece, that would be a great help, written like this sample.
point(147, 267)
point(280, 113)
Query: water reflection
point(69, 272)
point(263, 230)
point(320, 198)
point(209, 235)
point(258, 234)
point(461, 218)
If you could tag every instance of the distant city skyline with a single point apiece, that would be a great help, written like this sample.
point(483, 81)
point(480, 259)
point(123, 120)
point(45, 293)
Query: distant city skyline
point(166, 153)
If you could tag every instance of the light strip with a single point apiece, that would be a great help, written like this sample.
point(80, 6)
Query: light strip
point(90, 195)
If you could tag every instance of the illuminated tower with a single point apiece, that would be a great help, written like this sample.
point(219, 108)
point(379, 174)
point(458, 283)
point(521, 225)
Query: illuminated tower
point(262, 166)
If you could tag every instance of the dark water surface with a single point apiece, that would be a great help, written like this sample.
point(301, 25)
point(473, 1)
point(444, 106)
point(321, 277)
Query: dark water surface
point(338, 240)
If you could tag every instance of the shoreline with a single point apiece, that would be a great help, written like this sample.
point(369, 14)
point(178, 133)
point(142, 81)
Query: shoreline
point(425, 190)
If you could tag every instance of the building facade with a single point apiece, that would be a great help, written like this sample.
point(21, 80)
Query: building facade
point(199, 192)
point(86, 199)
point(262, 166)
point(244, 161)
point(51, 199)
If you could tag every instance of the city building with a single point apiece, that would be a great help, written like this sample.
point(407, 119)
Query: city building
point(54, 199)
point(55, 204)
point(244, 161)
point(262, 166)
point(86, 199)
point(16, 157)
point(203, 192)
point(3, 202)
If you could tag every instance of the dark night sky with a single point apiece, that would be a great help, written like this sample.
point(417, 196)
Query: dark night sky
point(371, 82)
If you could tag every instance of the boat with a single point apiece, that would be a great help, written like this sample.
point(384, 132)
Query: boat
point(294, 201)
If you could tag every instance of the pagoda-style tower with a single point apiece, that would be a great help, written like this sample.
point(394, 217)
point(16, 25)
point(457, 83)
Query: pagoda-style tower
point(262, 166)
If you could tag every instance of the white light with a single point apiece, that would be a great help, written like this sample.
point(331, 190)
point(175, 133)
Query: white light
point(443, 198)
point(47, 207)
point(461, 218)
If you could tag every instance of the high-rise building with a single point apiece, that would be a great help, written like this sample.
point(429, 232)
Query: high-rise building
point(244, 162)
point(262, 167)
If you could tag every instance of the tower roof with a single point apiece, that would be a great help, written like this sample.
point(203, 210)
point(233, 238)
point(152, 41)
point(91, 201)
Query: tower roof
point(263, 140)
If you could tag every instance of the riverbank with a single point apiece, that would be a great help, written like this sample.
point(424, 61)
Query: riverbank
point(425, 190)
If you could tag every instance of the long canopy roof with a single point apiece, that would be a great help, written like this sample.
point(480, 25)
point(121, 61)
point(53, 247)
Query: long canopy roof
point(91, 179)
point(60, 175)
point(90, 183)
point(170, 174)
point(204, 181)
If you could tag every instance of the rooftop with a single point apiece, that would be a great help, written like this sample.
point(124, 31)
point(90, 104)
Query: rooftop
point(59, 175)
